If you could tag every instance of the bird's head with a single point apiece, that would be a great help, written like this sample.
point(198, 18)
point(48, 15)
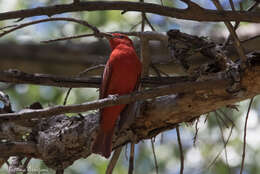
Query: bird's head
point(118, 38)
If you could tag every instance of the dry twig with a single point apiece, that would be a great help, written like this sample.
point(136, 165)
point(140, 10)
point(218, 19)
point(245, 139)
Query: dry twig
point(154, 156)
point(238, 22)
point(225, 145)
point(131, 159)
point(16, 27)
point(231, 29)
point(113, 160)
point(181, 150)
point(223, 140)
point(196, 132)
point(244, 144)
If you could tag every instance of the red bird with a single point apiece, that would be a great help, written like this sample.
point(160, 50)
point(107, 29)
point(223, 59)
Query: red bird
point(120, 76)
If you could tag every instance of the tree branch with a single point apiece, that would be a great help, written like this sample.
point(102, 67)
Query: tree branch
point(195, 13)
point(19, 77)
point(60, 140)
point(217, 81)
point(16, 27)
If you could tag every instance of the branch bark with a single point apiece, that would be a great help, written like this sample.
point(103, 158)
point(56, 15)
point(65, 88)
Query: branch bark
point(216, 81)
point(194, 12)
point(71, 59)
point(61, 140)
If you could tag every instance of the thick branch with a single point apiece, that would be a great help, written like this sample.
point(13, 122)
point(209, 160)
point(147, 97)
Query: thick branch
point(18, 148)
point(195, 13)
point(70, 138)
point(61, 140)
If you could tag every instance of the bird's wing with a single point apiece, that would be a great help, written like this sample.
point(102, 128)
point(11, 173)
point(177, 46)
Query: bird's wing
point(105, 81)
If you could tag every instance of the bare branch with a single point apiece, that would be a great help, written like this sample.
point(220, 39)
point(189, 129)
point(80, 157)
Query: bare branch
point(232, 31)
point(181, 150)
point(225, 145)
point(16, 27)
point(232, 5)
point(244, 144)
point(113, 160)
point(131, 159)
point(18, 77)
point(67, 38)
point(67, 96)
point(238, 22)
point(196, 13)
point(215, 83)
point(223, 140)
point(148, 34)
point(196, 132)
point(18, 148)
point(154, 156)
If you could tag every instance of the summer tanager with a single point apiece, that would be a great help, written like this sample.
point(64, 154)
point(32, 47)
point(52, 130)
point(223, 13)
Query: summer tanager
point(120, 76)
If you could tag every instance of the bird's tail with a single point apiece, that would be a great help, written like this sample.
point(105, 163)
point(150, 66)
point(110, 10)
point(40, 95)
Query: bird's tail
point(103, 143)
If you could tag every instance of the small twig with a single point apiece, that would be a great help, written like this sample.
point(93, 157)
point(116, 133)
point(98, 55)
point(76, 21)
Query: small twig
point(162, 138)
point(227, 117)
point(223, 140)
point(244, 144)
point(143, 18)
point(134, 26)
point(156, 70)
point(196, 132)
point(161, 2)
point(131, 159)
point(148, 34)
point(232, 5)
point(225, 144)
point(126, 156)
point(113, 160)
point(220, 117)
point(238, 22)
point(181, 150)
point(7, 162)
point(154, 156)
point(95, 30)
point(25, 164)
point(237, 43)
point(59, 171)
point(9, 26)
point(149, 23)
point(66, 97)
point(84, 73)
point(67, 38)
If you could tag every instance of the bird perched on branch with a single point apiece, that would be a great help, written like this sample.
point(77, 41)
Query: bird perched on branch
point(121, 75)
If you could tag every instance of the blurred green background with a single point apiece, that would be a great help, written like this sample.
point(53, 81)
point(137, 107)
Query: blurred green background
point(209, 139)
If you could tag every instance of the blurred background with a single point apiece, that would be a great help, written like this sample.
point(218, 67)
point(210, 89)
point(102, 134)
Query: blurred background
point(212, 128)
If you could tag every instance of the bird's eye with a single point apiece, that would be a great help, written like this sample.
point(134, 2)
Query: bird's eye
point(121, 37)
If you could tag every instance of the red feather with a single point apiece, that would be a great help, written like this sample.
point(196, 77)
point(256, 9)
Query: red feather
point(120, 76)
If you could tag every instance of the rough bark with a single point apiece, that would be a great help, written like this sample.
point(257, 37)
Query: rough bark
point(61, 140)
point(71, 59)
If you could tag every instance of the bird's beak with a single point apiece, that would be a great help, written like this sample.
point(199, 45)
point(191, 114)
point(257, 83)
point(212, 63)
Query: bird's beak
point(108, 36)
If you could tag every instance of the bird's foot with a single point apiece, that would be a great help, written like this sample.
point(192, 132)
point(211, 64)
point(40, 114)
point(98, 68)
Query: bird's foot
point(114, 96)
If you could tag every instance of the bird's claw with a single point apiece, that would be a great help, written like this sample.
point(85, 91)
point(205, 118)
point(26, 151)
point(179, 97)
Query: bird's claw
point(114, 96)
